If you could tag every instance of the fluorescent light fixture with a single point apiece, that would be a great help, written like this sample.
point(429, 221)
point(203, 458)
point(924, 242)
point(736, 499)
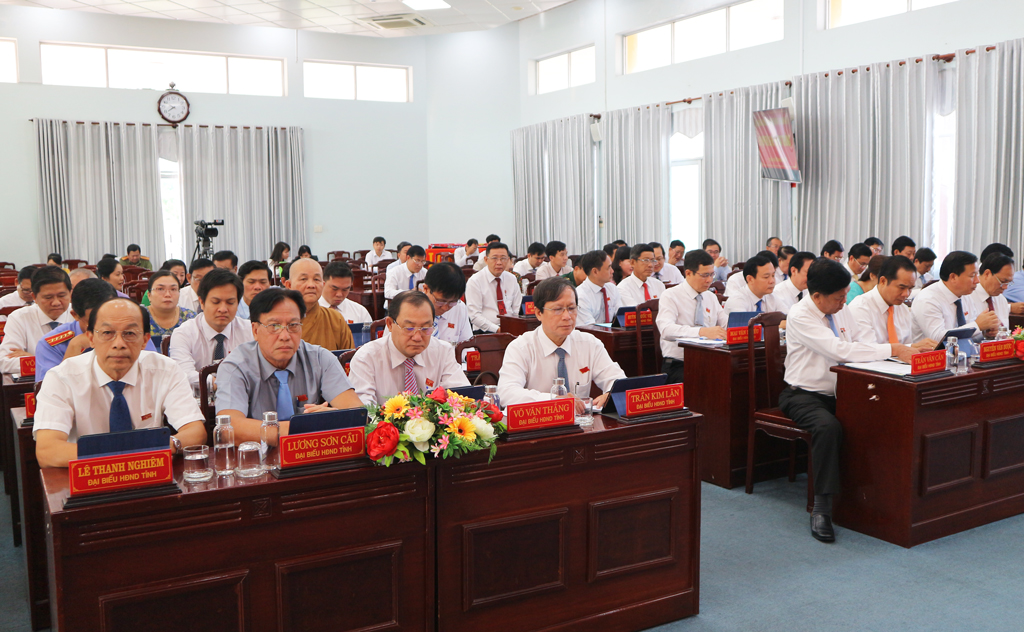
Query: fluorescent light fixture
point(426, 5)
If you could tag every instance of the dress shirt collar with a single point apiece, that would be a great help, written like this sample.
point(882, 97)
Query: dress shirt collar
point(548, 346)
point(209, 333)
point(745, 290)
point(323, 303)
point(982, 293)
point(102, 379)
point(267, 369)
point(398, 358)
point(587, 284)
point(688, 290)
point(637, 280)
point(947, 293)
point(875, 298)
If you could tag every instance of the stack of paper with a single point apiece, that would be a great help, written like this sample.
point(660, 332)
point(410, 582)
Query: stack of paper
point(708, 342)
point(882, 366)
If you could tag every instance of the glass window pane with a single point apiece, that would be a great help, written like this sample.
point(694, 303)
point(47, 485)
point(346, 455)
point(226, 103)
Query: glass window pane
point(843, 12)
point(924, 4)
point(553, 74)
point(259, 77)
point(142, 69)
point(685, 195)
point(754, 23)
point(649, 49)
point(8, 62)
point(583, 66)
point(680, 147)
point(701, 36)
point(376, 83)
point(328, 81)
point(73, 66)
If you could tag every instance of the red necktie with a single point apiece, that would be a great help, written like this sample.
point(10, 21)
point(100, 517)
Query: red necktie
point(647, 293)
point(989, 302)
point(501, 299)
point(604, 295)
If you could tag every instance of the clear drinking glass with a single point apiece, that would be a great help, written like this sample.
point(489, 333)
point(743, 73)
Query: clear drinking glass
point(249, 462)
point(961, 363)
point(224, 446)
point(197, 463)
point(270, 433)
point(584, 419)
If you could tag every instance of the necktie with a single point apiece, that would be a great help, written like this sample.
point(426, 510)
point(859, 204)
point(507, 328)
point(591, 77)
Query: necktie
point(604, 297)
point(698, 316)
point(218, 351)
point(757, 308)
point(412, 281)
point(960, 320)
point(988, 301)
point(647, 293)
point(891, 326)
point(832, 324)
point(120, 416)
point(410, 377)
point(501, 298)
point(563, 372)
point(800, 295)
point(53, 325)
point(784, 276)
point(285, 407)
point(657, 275)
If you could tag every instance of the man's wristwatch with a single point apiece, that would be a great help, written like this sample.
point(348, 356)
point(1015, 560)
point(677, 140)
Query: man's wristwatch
point(176, 442)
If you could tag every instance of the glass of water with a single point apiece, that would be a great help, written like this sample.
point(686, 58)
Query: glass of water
point(250, 464)
point(197, 463)
point(585, 419)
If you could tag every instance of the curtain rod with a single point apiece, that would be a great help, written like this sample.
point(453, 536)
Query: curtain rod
point(169, 125)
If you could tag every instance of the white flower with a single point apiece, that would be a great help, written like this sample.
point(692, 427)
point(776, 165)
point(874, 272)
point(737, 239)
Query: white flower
point(483, 429)
point(419, 430)
point(422, 446)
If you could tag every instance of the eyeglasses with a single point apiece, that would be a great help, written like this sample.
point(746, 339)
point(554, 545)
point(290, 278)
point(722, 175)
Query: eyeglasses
point(659, 259)
point(498, 259)
point(705, 275)
point(440, 303)
point(426, 331)
point(558, 311)
point(276, 328)
point(1004, 284)
point(649, 261)
point(130, 336)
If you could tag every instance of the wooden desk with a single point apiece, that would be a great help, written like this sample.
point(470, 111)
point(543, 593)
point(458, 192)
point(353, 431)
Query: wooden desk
point(365, 298)
point(13, 397)
point(33, 520)
point(717, 387)
point(1016, 320)
point(926, 460)
point(517, 325)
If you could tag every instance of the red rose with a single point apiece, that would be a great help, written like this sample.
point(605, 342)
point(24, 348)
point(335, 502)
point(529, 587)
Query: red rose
point(1020, 348)
point(382, 442)
point(493, 412)
point(439, 395)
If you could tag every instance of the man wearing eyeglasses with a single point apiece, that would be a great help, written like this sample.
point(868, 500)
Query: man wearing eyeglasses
point(689, 310)
point(405, 276)
point(996, 276)
point(338, 281)
point(444, 285)
point(492, 292)
point(943, 306)
point(279, 371)
point(117, 387)
point(640, 286)
point(407, 360)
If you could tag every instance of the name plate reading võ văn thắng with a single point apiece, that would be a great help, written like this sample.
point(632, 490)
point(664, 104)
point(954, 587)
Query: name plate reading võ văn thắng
point(538, 415)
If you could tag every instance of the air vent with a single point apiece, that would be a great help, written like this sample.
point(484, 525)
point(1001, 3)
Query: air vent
point(398, 21)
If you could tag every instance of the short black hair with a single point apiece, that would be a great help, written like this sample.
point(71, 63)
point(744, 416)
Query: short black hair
point(1002, 249)
point(379, 240)
point(446, 279)
point(832, 246)
point(472, 242)
point(106, 267)
point(224, 255)
point(536, 248)
point(902, 243)
point(339, 270)
point(639, 249)
point(412, 297)
point(26, 273)
point(955, 263)
point(108, 256)
point(675, 243)
point(134, 248)
point(492, 237)
point(873, 241)
point(254, 266)
point(995, 262)
point(156, 276)
point(620, 243)
point(551, 289)
point(693, 260)
point(303, 250)
point(96, 310)
point(710, 242)
point(89, 294)
point(769, 241)
point(269, 298)
point(799, 259)
point(416, 251)
point(610, 249)
point(495, 245)
point(770, 256)
point(925, 255)
point(859, 250)
point(554, 247)
point(827, 276)
point(171, 263)
point(55, 257)
point(787, 252)
point(892, 266)
point(402, 244)
point(751, 266)
point(200, 264)
point(217, 278)
point(593, 260)
point(874, 267)
point(658, 246)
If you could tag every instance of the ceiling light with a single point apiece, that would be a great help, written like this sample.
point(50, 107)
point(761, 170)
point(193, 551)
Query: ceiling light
point(426, 5)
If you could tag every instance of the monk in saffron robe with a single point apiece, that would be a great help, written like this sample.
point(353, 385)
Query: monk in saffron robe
point(324, 327)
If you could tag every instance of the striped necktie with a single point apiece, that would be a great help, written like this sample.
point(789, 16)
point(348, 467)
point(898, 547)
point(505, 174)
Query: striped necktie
point(410, 377)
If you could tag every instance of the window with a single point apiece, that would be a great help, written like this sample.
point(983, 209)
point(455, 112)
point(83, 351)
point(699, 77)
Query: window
point(734, 27)
point(844, 12)
point(170, 193)
point(8, 61)
point(331, 80)
point(944, 184)
point(686, 183)
point(567, 70)
point(142, 69)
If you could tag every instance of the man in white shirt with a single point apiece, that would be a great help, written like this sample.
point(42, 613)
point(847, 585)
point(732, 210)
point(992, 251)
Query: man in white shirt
point(876, 245)
point(714, 249)
point(834, 250)
point(640, 286)
point(689, 310)
point(905, 246)
point(676, 252)
point(187, 297)
point(782, 271)
point(462, 253)
point(26, 326)
point(492, 292)
point(756, 295)
point(663, 271)
point(881, 313)
point(924, 261)
point(255, 277)
point(407, 360)
point(996, 276)
point(23, 294)
point(337, 285)
point(481, 263)
point(406, 275)
point(555, 349)
point(212, 335)
point(376, 255)
point(792, 290)
point(943, 306)
point(558, 261)
point(737, 282)
point(403, 255)
point(533, 261)
point(444, 285)
point(597, 296)
point(820, 335)
point(115, 388)
point(857, 260)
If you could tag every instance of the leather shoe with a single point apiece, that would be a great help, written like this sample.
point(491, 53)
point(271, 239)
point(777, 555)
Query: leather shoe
point(821, 528)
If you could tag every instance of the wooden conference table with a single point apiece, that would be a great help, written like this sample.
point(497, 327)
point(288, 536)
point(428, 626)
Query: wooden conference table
point(598, 530)
point(1016, 320)
point(33, 519)
point(13, 394)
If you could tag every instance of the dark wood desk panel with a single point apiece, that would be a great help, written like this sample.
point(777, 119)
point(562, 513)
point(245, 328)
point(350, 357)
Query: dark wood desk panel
point(923, 461)
point(592, 531)
point(517, 325)
point(716, 386)
point(13, 397)
point(365, 298)
point(337, 551)
point(620, 343)
point(33, 520)
point(1016, 320)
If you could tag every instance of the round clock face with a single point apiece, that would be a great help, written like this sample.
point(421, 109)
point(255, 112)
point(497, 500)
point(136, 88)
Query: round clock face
point(173, 107)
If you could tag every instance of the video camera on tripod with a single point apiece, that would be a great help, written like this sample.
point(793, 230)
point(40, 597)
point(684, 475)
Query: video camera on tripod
point(205, 232)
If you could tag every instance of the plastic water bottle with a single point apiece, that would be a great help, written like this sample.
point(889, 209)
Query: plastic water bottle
point(224, 446)
point(952, 353)
point(491, 396)
point(558, 389)
point(1002, 334)
point(270, 433)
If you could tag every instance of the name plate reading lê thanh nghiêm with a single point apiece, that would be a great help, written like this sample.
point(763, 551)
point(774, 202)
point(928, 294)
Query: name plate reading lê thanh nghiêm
point(120, 472)
point(928, 362)
point(540, 415)
point(322, 447)
point(654, 400)
point(996, 350)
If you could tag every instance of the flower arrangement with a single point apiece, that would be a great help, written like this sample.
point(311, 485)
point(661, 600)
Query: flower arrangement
point(1018, 342)
point(442, 423)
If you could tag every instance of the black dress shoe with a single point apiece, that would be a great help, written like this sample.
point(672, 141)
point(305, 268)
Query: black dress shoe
point(821, 528)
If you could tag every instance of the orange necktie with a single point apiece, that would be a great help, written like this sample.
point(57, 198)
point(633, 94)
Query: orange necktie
point(647, 293)
point(890, 324)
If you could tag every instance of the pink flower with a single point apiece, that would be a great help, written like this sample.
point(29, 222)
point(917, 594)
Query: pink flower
point(481, 414)
point(444, 419)
point(455, 402)
point(436, 450)
point(443, 442)
point(415, 412)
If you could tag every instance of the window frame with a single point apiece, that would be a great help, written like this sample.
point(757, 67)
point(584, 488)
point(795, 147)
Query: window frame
point(17, 59)
point(829, 8)
point(355, 79)
point(568, 64)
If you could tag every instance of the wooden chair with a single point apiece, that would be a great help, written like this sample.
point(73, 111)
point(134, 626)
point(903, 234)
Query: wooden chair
point(382, 266)
point(206, 406)
point(531, 286)
point(337, 255)
point(492, 351)
point(359, 278)
point(8, 264)
point(575, 259)
point(360, 254)
point(472, 259)
point(165, 345)
point(718, 288)
point(345, 358)
point(377, 328)
point(72, 264)
point(377, 289)
point(653, 306)
point(10, 281)
point(930, 283)
point(769, 418)
point(530, 277)
point(7, 311)
point(733, 272)
point(468, 271)
point(135, 290)
point(738, 267)
point(4, 291)
point(722, 298)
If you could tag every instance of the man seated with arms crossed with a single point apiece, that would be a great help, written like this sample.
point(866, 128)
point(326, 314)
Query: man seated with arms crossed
point(337, 285)
point(377, 254)
point(640, 286)
point(555, 349)
point(462, 253)
point(117, 387)
point(793, 289)
point(25, 327)
point(403, 255)
point(278, 371)
point(215, 333)
point(255, 277)
point(597, 295)
point(667, 274)
point(135, 258)
point(943, 306)
point(557, 263)
point(821, 334)
point(405, 276)
point(323, 327)
point(689, 310)
point(492, 292)
point(444, 285)
point(756, 295)
point(410, 359)
point(481, 262)
point(187, 297)
point(996, 276)
point(713, 248)
point(23, 295)
point(881, 314)
point(737, 282)
point(533, 261)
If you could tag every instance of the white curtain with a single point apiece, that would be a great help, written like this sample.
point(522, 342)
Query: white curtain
point(634, 173)
point(989, 203)
point(740, 210)
point(249, 177)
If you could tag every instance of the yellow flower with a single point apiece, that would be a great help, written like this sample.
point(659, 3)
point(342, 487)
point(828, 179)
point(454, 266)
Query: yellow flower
point(465, 400)
point(463, 427)
point(395, 407)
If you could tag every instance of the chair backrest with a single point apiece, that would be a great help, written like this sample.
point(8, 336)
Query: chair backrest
point(359, 278)
point(8, 264)
point(740, 271)
point(575, 259)
point(360, 254)
point(773, 365)
point(471, 259)
point(7, 311)
point(468, 271)
point(4, 291)
point(72, 264)
point(377, 282)
point(345, 358)
point(722, 298)
point(531, 286)
point(382, 266)
point(334, 255)
point(718, 288)
point(377, 328)
point(165, 344)
point(929, 283)
point(205, 405)
point(738, 267)
point(492, 351)
point(135, 290)
point(642, 307)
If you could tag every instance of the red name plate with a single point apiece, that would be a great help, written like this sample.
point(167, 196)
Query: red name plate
point(529, 308)
point(738, 335)
point(321, 447)
point(645, 318)
point(30, 405)
point(929, 362)
point(996, 350)
point(28, 365)
point(472, 360)
point(123, 471)
point(655, 399)
point(557, 412)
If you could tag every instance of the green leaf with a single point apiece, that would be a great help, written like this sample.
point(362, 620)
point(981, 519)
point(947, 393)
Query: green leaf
point(416, 454)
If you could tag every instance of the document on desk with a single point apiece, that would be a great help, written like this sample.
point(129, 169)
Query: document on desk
point(882, 366)
point(707, 342)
